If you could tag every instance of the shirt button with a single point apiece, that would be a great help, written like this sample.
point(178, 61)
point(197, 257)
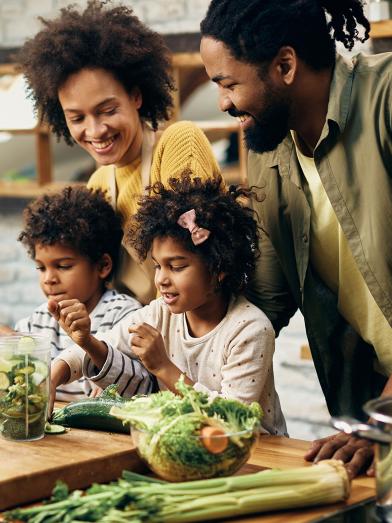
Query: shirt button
point(305, 238)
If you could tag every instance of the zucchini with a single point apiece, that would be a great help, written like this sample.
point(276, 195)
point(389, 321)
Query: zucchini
point(92, 413)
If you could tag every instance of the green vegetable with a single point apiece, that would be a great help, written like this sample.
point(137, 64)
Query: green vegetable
point(4, 381)
point(54, 429)
point(166, 429)
point(138, 499)
point(92, 413)
point(24, 395)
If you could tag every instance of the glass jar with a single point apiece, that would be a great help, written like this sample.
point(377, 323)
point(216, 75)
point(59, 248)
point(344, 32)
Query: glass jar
point(24, 386)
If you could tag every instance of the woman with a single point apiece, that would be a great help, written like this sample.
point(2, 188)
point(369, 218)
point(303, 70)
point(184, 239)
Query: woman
point(100, 78)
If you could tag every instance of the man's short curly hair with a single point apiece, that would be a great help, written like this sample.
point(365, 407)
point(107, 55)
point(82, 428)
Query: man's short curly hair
point(99, 37)
point(232, 247)
point(75, 217)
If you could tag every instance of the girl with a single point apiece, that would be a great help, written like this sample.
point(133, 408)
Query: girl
point(203, 244)
point(100, 78)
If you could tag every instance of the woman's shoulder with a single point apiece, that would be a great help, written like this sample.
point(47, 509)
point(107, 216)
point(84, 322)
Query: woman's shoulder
point(183, 146)
point(183, 134)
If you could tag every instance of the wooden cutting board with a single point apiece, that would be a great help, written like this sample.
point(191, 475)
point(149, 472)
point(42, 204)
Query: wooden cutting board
point(29, 470)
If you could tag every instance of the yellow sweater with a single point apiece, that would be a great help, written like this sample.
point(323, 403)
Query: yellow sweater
point(182, 146)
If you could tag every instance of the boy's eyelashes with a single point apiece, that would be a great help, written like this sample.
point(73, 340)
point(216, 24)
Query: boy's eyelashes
point(63, 267)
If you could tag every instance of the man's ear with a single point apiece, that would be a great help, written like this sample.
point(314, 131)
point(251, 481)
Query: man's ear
point(285, 65)
point(105, 266)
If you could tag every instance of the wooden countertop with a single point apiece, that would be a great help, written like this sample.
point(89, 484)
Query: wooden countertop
point(28, 471)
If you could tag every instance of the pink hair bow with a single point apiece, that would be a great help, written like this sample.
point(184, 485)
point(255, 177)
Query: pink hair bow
point(188, 221)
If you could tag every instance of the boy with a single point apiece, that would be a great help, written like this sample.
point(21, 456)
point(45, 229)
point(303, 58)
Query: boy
point(74, 237)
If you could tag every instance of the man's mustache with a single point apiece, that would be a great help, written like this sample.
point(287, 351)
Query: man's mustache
point(235, 114)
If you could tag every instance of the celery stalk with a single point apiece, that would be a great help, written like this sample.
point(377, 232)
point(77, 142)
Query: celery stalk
point(325, 483)
point(134, 500)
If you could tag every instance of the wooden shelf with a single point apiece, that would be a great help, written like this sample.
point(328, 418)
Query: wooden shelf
point(187, 60)
point(188, 72)
point(381, 29)
point(29, 190)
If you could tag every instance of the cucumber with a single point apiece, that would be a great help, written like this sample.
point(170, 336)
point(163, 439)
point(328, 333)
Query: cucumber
point(92, 414)
point(54, 429)
point(4, 381)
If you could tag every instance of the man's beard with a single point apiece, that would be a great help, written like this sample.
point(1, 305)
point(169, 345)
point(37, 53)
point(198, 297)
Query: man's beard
point(270, 127)
point(268, 131)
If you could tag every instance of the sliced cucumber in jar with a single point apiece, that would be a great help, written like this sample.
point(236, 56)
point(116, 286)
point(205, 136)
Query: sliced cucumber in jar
point(26, 344)
point(4, 381)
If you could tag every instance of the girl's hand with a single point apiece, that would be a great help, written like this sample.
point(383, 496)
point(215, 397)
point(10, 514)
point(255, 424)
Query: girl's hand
point(147, 343)
point(73, 318)
point(95, 390)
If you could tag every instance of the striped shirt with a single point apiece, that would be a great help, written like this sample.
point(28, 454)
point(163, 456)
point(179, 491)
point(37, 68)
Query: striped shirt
point(111, 309)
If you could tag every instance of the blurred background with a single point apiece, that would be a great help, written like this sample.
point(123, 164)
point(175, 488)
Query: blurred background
point(32, 162)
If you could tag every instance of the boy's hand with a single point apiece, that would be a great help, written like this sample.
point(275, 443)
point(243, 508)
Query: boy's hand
point(148, 345)
point(73, 318)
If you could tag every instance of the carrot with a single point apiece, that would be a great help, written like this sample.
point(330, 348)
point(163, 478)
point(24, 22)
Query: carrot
point(214, 439)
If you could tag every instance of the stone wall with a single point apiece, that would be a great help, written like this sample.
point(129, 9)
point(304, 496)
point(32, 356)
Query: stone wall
point(19, 289)
point(19, 18)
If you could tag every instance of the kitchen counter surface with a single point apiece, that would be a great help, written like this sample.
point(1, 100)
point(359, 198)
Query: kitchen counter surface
point(28, 471)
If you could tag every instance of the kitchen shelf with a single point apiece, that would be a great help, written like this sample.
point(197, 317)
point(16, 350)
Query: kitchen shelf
point(188, 73)
point(381, 29)
point(29, 190)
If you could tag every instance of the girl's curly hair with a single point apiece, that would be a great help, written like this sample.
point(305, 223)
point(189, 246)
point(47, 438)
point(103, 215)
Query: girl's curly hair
point(232, 247)
point(99, 37)
point(76, 217)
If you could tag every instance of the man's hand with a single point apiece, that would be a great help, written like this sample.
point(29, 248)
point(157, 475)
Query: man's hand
point(356, 453)
point(59, 374)
point(148, 345)
point(73, 318)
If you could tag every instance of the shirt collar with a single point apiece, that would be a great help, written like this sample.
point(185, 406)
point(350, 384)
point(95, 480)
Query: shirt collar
point(340, 92)
point(338, 109)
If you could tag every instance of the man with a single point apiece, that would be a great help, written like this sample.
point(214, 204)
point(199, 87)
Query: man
point(319, 130)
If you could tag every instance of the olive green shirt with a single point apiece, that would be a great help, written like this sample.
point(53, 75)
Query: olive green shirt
point(354, 160)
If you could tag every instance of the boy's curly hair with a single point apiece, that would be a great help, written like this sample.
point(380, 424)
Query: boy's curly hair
point(99, 37)
point(76, 217)
point(232, 247)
